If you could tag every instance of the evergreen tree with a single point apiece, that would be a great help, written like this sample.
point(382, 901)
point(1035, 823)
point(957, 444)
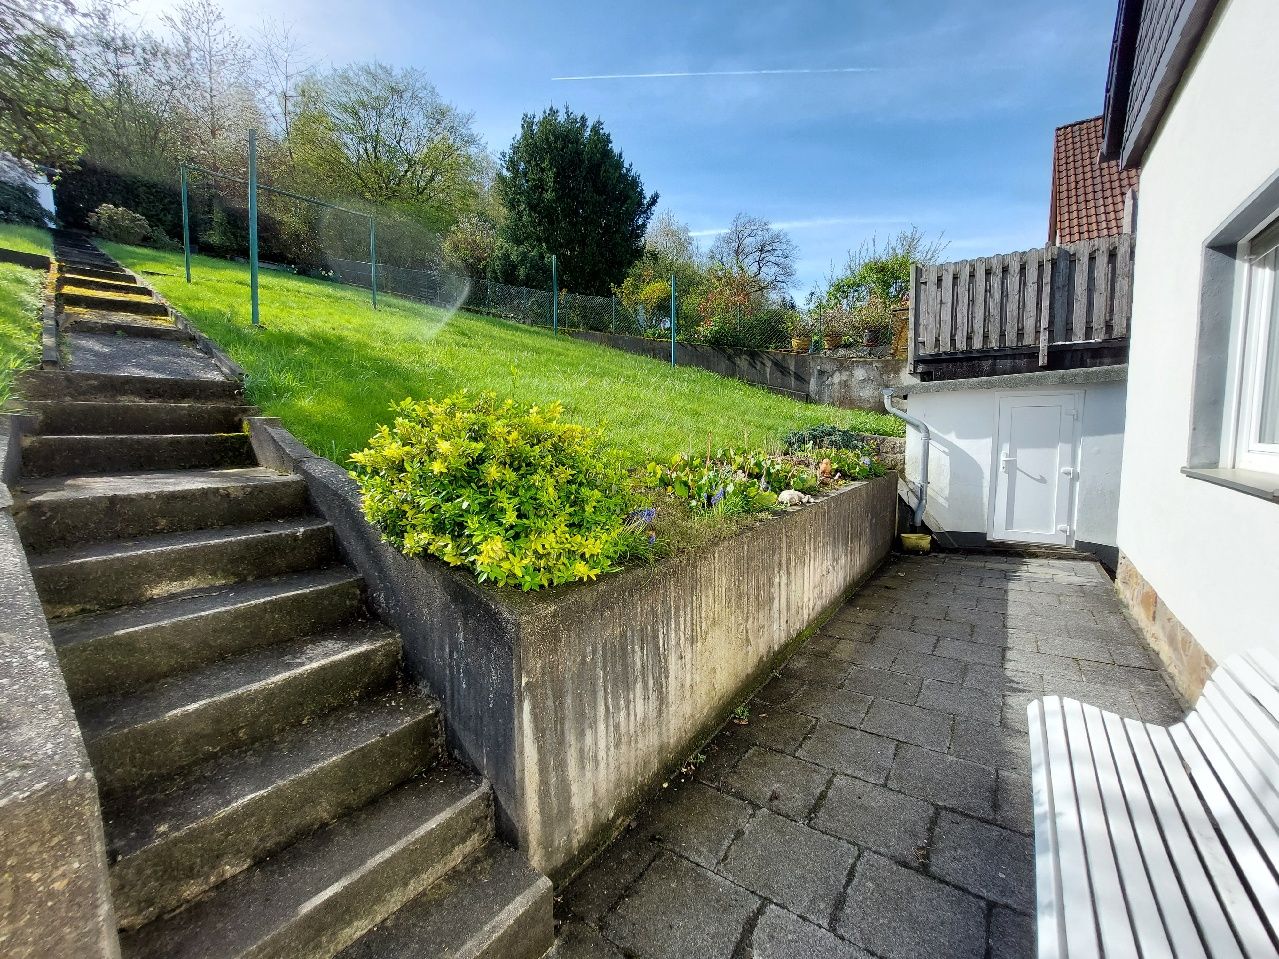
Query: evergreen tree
point(568, 192)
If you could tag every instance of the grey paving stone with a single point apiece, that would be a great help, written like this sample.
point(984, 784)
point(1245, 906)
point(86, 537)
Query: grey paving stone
point(783, 783)
point(1162, 711)
point(598, 888)
point(883, 684)
point(779, 690)
point(1012, 935)
point(849, 751)
point(983, 616)
point(819, 645)
point(816, 670)
point(906, 639)
point(944, 780)
point(928, 666)
point(783, 935)
point(1128, 654)
point(697, 822)
point(961, 700)
point(898, 913)
point(776, 728)
point(992, 862)
point(1126, 678)
point(1002, 680)
point(1014, 805)
point(990, 744)
point(800, 868)
point(578, 940)
point(909, 724)
point(877, 818)
point(1076, 649)
point(1006, 638)
point(677, 910)
point(844, 650)
point(872, 654)
point(1094, 694)
point(1043, 663)
point(723, 753)
point(843, 706)
point(848, 629)
point(970, 652)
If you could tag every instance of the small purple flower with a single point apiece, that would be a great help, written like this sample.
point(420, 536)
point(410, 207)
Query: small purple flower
point(652, 537)
point(719, 495)
point(641, 517)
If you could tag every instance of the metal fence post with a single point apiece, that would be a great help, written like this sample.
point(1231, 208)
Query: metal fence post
point(253, 223)
point(373, 258)
point(612, 327)
point(186, 225)
point(555, 297)
point(672, 319)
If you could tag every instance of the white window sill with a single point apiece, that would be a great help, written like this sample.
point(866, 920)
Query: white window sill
point(1252, 482)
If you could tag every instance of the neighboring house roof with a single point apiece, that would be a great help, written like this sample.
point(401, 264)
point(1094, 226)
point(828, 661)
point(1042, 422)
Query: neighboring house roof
point(1088, 192)
point(1153, 43)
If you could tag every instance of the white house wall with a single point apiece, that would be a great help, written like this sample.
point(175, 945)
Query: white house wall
point(1210, 553)
point(964, 424)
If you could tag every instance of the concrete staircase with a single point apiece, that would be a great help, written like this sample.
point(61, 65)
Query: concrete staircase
point(270, 783)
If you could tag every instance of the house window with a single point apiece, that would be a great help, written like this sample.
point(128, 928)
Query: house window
point(1257, 423)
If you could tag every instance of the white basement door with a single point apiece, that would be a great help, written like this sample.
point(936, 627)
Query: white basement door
point(1032, 500)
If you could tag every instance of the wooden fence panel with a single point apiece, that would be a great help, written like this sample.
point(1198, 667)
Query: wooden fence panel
point(1073, 293)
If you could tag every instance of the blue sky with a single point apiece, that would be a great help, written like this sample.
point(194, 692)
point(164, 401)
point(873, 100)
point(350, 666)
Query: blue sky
point(941, 116)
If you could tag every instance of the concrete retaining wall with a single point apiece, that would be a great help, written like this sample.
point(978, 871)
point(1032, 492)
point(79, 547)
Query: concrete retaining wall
point(577, 702)
point(844, 381)
point(55, 895)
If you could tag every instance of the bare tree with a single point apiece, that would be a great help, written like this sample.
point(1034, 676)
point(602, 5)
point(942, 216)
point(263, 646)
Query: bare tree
point(753, 247)
point(670, 240)
point(285, 67)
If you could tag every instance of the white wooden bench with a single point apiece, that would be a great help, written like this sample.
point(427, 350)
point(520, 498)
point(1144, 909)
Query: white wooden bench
point(1160, 842)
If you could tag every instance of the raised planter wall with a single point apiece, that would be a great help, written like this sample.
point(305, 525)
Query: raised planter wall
point(831, 378)
point(55, 897)
point(577, 702)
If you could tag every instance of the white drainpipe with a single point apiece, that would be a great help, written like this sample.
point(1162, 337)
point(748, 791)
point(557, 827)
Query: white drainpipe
point(926, 437)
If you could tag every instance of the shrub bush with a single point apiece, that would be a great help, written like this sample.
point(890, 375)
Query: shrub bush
point(18, 204)
point(119, 224)
point(513, 493)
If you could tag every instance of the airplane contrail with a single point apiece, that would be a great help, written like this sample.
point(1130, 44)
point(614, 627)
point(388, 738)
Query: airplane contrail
point(716, 73)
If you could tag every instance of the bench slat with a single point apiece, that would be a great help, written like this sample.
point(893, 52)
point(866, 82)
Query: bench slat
point(1263, 699)
point(1252, 726)
point(1145, 924)
point(1248, 773)
point(1051, 937)
point(1229, 889)
point(1165, 881)
point(1103, 871)
point(1079, 935)
point(1232, 806)
point(1211, 919)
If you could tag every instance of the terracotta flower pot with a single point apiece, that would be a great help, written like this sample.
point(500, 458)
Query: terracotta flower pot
point(801, 344)
point(832, 341)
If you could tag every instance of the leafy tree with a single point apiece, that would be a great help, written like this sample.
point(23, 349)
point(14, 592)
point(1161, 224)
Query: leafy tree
point(470, 244)
point(43, 102)
point(753, 247)
point(568, 191)
point(875, 271)
point(386, 136)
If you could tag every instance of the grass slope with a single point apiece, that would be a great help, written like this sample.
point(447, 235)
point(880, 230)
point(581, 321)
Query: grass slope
point(20, 300)
point(26, 239)
point(329, 366)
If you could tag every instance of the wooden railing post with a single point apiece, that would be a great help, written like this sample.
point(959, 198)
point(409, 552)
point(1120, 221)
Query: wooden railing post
point(912, 323)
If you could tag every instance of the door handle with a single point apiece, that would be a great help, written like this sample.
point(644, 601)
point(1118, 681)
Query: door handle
point(1005, 460)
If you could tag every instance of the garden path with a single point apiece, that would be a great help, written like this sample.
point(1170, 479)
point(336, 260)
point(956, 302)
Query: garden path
point(877, 802)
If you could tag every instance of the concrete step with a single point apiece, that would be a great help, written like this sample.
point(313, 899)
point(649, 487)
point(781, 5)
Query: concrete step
point(102, 323)
point(137, 738)
point(67, 455)
point(246, 805)
point(91, 418)
point(122, 388)
point(124, 650)
point(114, 304)
point(323, 892)
point(126, 284)
point(75, 510)
point(494, 906)
point(95, 271)
point(118, 573)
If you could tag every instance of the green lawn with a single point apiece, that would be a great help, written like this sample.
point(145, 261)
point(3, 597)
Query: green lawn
point(329, 366)
point(26, 239)
point(20, 300)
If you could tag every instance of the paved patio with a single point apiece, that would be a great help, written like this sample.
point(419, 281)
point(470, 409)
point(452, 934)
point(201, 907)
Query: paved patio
point(877, 803)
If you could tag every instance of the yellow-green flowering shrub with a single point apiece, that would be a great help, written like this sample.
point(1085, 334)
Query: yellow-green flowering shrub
point(513, 493)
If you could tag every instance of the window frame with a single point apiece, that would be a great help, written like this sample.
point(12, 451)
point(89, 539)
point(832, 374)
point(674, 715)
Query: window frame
point(1260, 261)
